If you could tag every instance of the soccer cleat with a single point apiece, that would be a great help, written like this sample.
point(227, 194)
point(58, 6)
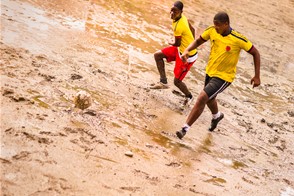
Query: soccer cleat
point(180, 134)
point(214, 122)
point(159, 85)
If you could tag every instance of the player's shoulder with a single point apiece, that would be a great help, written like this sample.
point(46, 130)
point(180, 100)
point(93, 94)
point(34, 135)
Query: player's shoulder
point(238, 35)
point(210, 28)
point(183, 20)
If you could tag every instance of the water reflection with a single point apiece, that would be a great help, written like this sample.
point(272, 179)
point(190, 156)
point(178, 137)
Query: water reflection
point(128, 23)
point(178, 147)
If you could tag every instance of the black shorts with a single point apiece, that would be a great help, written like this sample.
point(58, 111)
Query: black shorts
point(214, 86)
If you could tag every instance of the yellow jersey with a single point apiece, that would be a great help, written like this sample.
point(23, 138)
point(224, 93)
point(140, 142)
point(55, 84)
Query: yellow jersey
point(181, 29)
point(224, 53)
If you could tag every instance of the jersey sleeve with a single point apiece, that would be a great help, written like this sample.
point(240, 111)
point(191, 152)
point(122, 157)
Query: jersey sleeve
point(246, 45)
point(206, 34)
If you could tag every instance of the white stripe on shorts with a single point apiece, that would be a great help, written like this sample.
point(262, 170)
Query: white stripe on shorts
point(225, 85)
point(190, 59)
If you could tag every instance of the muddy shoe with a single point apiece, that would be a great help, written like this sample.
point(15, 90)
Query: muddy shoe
point(159, 85)
point(214, 122)
point(187, 102)
point(181, 133)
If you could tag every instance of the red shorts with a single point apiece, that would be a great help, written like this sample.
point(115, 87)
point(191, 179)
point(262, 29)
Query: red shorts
point(181, 69)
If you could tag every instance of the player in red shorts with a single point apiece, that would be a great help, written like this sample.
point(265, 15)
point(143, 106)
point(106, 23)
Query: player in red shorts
point(184, 35)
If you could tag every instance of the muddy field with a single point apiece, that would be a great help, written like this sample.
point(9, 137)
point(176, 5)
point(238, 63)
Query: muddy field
point(124, 143)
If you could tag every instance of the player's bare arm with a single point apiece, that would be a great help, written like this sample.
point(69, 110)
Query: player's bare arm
point(191, 28)
point(192, 46)
point(255, 81)
point(177, 42)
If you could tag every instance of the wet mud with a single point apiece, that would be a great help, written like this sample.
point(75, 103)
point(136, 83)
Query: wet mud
point(124, 142)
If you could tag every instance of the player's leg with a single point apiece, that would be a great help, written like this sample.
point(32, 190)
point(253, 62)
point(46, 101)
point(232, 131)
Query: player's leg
point(169, 54)
point(213, 87)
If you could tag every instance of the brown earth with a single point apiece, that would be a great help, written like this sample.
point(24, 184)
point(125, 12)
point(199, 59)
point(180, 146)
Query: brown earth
point(51, 50)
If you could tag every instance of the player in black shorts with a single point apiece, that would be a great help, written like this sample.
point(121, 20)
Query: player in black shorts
point(226, 44)
point(214, 85)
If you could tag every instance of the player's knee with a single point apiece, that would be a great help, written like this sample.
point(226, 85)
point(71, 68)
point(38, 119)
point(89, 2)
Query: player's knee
point(177, 82)
point(158, 55)
point(202, 98)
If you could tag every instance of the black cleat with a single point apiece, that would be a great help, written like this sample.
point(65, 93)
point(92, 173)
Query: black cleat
point(181, 133)
point(214, 122)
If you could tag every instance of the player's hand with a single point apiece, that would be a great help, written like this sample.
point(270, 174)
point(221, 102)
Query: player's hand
point(255, 81)
point(171, 42)
point(185, 56)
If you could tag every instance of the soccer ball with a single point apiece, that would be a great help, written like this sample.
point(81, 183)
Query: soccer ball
point(82, 100)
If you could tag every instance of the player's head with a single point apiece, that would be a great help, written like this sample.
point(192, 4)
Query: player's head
point(179, 5)
point(221, 22)
point(222, 17)
point(176, 10)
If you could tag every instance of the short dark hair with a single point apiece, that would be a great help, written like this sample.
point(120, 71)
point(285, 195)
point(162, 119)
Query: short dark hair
point(222, 17)
point(179, 5)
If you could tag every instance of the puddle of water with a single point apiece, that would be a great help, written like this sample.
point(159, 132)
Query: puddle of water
point(79, 124)
point(131, 125)
point(128, 22)
point(125, 143)
point(64, 99)
point(120, 141)
point(73, 23)
point(216, 180)
point(116, 125)
point(167, 142)
point(178, 148)
point(40, 102)
point(206, 144)
point(141, 152)
point(31, 91)
point(34, 20)
point(232, 163)
point(238, 164)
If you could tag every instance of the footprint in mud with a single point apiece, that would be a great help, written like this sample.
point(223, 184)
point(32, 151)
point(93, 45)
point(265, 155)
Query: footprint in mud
point(75, 77)
point(197, 192)
point(216, 181)
point(152, 180)
point(173, 164)
point(247, 125)
point(48, 78)
point(247, 180)
point(5, 161)
point(40, 140)
point(21, 156)
point(40, 61)
point(82, 138)
point(129, 188)
point(41, 57)
point(55, 185)
point(178, 186)
point(7, 92)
